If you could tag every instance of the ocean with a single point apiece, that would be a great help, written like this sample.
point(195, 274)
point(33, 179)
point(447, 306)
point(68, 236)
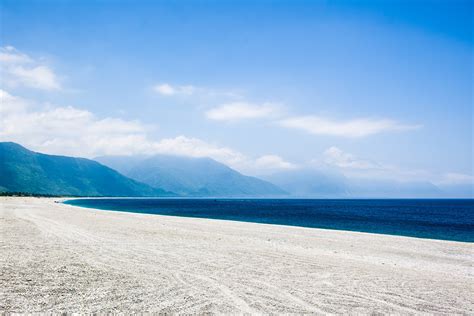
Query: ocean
point(444, 219)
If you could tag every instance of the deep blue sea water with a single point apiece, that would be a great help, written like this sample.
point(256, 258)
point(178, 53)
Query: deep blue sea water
point(436, 219)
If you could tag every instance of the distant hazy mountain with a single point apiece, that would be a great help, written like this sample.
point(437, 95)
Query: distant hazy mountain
point(465, 191)
point(311, 183)
point(22, 170)
point(377, 188)
point(190, 176)
point(325, 184)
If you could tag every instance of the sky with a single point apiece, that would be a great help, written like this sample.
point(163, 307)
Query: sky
point(369, 88)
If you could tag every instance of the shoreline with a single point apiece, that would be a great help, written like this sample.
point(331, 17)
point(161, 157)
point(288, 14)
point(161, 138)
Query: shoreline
point(247, 220)
point(88, 260)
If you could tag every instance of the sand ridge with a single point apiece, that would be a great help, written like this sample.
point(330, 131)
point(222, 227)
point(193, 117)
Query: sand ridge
point(61, 258)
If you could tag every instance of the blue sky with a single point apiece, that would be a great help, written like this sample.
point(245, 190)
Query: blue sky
point(379, 88)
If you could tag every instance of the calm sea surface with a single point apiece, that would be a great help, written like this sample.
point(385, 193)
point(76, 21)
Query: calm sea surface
point(437, 219)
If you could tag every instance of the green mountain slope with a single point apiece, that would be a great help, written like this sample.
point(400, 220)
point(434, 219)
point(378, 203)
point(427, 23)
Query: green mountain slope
point(22, 170)
point(191, 176)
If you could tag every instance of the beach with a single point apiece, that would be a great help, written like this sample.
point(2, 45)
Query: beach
point(61, 258)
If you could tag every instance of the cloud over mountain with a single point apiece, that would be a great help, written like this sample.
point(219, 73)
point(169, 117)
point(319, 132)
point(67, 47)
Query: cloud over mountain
point(72, 131)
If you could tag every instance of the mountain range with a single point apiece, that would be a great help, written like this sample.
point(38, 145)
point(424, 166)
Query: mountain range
point(22, 170)
point(26, 171)
point(189, 176)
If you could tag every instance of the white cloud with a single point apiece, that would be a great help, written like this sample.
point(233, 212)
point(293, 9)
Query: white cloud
point(242, 110)
point(336, 157)
point(273, 162)
point(317, 125)
point(164, 89)
point(169, 90)
point(10, 55)
point(18, 69)
point(195, 147)
point(10, 104)
point(352, 128)
point(40, 77)
point(71, 131)
point(67, 130)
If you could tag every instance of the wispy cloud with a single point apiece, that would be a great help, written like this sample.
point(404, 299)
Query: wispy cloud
point(273, 162)
point(316, 125)
point(351, 128)
point(243, 110)
point(173, 90)
point(336, 157)
point(19, 69)
point(169, 90)
point(10, 55)
point(354, 166)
